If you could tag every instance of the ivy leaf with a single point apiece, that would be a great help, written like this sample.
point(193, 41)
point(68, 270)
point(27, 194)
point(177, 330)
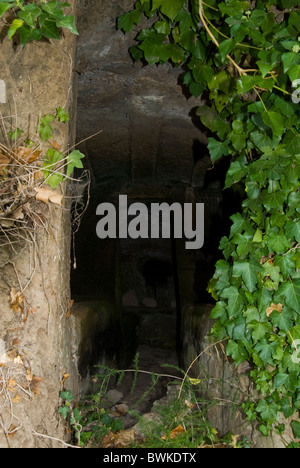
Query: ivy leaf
point(237, 351)
point(217, 149)
point(275, 121)
point(268, 411)
point(64, 411)
point(286, 264)
point(292, 230)
point(219, 311)
point(5, 6)
point(45, 129)
point(15, 25)
point(266, 350)
point(259, 330)
point(28, 34)
point(29, 14)
point(74, 160)
point(249, 273)
point(128, 20)
point(62, 115)
point(171, 8)
point(154, 48)
point(296, 428)
point(51, 175)
point(68, 22)
point(278, 243)
point(291, 291)
point(207, 115)
point(49, 29)
point(235, 301)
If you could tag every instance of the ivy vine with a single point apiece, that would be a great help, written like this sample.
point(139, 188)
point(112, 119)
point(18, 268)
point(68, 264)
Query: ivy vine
point(245, 56)
point(37, 20)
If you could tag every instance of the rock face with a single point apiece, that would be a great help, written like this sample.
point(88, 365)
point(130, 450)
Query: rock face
point(148, 135)
point(37, 335)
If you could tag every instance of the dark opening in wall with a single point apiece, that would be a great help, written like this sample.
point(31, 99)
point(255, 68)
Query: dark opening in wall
point(150, 148)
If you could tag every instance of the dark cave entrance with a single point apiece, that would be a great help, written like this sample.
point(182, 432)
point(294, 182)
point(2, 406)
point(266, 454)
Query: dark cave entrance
point(151, 148)
point(134, 294)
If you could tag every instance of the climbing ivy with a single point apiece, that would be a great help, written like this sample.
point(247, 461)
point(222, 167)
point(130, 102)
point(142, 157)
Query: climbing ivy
point(243, 57)
point(35, 20)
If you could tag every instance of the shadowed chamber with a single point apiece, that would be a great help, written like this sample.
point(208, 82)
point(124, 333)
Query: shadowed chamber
point(137, 295)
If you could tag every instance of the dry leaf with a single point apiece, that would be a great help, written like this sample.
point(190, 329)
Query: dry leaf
point(47, 195)
point(120, 440)
point(35, 385)
point(108, 440)
point(16, 399)
point(56, 145)
point(4, 162)
point(12, 431)
point(175, 433)
point(18, 214)
point(28, 155)
point(71, 303)
point(65, 377)
point(277, 307)
point(189, 404)
point(18, 360)
point(16, 301)
point(11, 385)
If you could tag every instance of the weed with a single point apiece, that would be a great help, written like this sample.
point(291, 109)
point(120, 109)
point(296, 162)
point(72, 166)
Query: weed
point(179, 420)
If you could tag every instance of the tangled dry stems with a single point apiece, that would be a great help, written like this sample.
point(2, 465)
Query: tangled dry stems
point(20, 174)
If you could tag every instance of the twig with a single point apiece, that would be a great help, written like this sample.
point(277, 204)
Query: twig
point(38, 434)
point(195, 360)
point(240, 70)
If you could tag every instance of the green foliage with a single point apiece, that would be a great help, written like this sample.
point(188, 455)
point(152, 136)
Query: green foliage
point(181, 419)
point(54, 160)
point(57, 166)
point(38, 19)
point(246, 57)
point(90, 413)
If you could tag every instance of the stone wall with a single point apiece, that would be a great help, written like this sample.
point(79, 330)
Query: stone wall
point(36, 338)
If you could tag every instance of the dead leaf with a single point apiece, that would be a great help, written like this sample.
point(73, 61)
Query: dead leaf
point(69, 313)
point(18, 360)
point(175, 433)
point(189, 404)
point(12, 431)
point(27, 155)
point(277, 307)
point(11, 385)
point(4, 162)
point(16, 301)
point(121, 439)
point(108, 440)
point(64, 378)
point(18, 214)
point(16, 399)
point(47, 195)
point(35, 385)
point(56, 145)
